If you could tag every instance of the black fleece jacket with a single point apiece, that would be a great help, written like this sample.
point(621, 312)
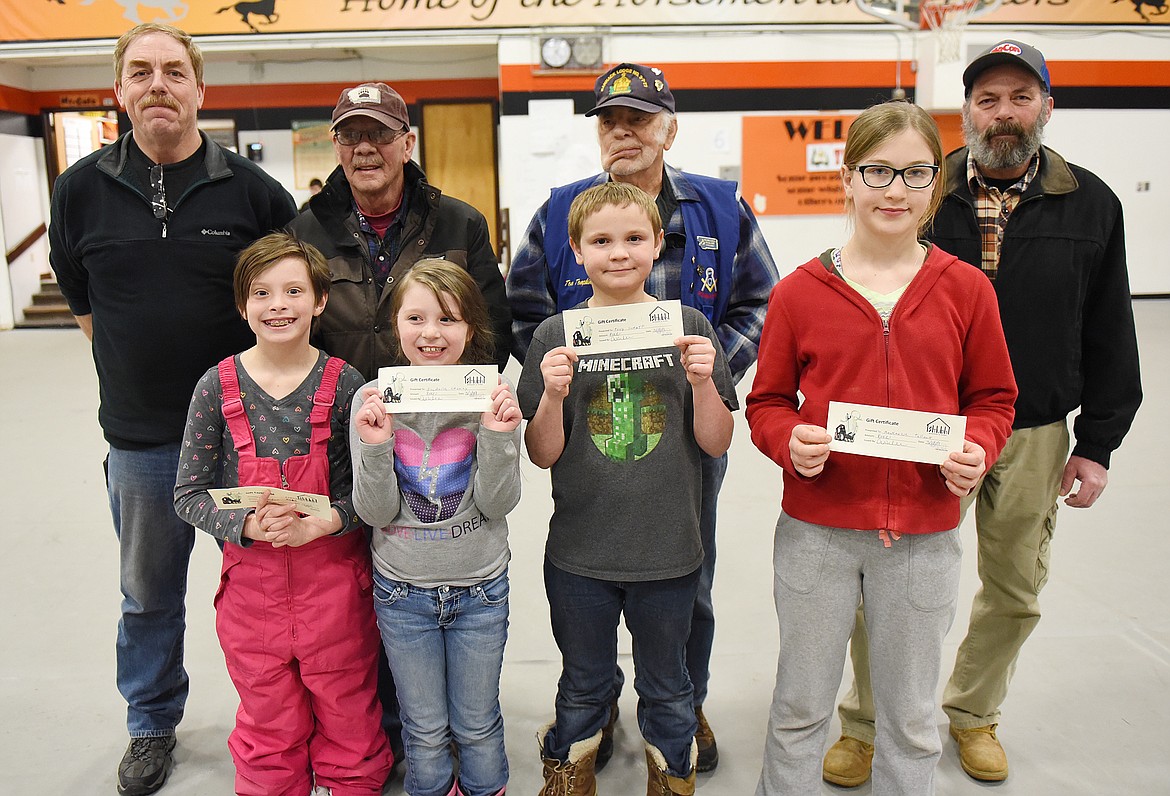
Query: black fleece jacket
point(162, 307)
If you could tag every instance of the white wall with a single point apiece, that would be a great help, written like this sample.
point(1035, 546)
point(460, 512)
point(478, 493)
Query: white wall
point(550, 147)
point(23, 202)
point(1126, 149)
point(278, 157)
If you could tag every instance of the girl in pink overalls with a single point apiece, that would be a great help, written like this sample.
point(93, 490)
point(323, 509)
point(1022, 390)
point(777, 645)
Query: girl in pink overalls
point(294, 611)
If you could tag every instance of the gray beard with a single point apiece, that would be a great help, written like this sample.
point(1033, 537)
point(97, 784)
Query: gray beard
point(1003, 155)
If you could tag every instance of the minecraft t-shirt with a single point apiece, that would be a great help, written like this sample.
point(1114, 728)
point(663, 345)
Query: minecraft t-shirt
point(626, 489)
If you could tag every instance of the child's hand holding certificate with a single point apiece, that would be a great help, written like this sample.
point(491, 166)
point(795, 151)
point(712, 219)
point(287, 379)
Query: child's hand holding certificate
point(927, 437)
point(248, 497)
point(437, 388)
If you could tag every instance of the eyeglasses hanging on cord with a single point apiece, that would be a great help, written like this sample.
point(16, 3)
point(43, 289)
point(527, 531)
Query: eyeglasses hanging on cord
point(159, 202)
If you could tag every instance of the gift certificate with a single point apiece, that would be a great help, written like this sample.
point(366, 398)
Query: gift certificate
point(437, 388)
point(626, 327)
point(904, 434)
point(248, 497)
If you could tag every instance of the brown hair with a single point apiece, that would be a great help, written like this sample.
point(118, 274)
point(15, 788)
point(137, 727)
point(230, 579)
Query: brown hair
point(450, 281)
point(880, 123)
point(610, 194)
point(182, 37)
point(267, 252)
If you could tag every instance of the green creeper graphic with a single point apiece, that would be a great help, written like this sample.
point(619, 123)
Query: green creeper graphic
point(626, 417)
point(628, 442)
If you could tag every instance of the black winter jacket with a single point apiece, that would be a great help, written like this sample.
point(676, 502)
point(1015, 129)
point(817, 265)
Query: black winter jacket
point(1064, 299)
point(162, 308)
point(356, 323)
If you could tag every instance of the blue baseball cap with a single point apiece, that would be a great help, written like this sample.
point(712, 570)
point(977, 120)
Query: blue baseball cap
point(1012, 52)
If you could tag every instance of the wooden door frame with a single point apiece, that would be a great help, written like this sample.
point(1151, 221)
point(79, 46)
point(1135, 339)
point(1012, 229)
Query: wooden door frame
point(494, 103)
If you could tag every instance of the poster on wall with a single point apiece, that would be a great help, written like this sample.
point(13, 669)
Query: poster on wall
point(792, 163)
point(313, 156)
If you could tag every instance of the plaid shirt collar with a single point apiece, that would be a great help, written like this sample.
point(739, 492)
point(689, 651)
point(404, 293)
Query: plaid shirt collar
point(977, 185)
point(383, 251)
point(993, 207)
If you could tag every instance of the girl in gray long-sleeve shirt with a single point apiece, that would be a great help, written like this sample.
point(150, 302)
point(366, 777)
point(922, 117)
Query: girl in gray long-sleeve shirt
point(436, 487)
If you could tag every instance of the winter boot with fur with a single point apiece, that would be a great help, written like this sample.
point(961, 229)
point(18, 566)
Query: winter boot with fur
point(661, 783)
point(575, 776)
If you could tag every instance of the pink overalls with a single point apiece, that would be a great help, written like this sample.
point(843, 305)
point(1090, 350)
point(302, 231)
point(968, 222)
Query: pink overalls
point(298, 633)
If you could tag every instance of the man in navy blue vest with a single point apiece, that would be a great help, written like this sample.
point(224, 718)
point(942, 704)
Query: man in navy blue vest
point(715, 259)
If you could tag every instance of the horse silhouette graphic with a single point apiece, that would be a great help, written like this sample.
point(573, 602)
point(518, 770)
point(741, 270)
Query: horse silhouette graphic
point(259, 8)
point(1159, 8)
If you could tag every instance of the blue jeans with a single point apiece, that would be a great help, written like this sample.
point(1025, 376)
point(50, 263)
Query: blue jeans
point(702, 638)
point(155, 548)
point(446, 650)
point(585, 613)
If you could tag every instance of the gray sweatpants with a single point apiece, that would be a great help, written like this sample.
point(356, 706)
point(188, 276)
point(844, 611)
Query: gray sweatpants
point(910, 590)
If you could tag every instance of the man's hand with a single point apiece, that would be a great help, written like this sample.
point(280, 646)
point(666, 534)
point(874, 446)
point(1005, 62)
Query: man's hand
point(1093, 478)
point(809, 447)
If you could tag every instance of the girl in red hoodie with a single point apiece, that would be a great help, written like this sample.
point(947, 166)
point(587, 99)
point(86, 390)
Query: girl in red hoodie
point(885, 320)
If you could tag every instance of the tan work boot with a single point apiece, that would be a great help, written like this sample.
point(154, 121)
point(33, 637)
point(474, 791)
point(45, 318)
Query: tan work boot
point(848, 762)
point(661, 783)
point(575, 776)
point(980, 753)
point(705, 738)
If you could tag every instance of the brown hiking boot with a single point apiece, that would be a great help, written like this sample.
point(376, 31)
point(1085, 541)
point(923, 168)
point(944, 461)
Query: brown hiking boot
point(659, 782)
point(705, 738)
point(980, 753)
point(575, 776)
point(848, 762)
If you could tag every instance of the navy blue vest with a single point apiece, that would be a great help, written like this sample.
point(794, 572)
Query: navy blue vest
point(712, 238)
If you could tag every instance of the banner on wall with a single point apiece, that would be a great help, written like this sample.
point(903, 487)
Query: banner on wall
point(61, 20)
point(792, 163)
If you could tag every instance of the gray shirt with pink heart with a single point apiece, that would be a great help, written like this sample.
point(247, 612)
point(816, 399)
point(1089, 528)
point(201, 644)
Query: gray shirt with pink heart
point(437, 495)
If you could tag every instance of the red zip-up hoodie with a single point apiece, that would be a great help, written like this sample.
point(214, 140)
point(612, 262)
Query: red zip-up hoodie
point(942, 351)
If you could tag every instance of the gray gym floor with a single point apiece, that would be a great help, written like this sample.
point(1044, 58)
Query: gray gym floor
point(1088, 712)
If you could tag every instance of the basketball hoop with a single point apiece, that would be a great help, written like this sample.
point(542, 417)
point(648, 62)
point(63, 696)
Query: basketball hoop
point(946, 19)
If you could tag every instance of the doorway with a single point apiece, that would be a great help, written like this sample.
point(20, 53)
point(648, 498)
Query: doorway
point(71, 135)
point(459, 155)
